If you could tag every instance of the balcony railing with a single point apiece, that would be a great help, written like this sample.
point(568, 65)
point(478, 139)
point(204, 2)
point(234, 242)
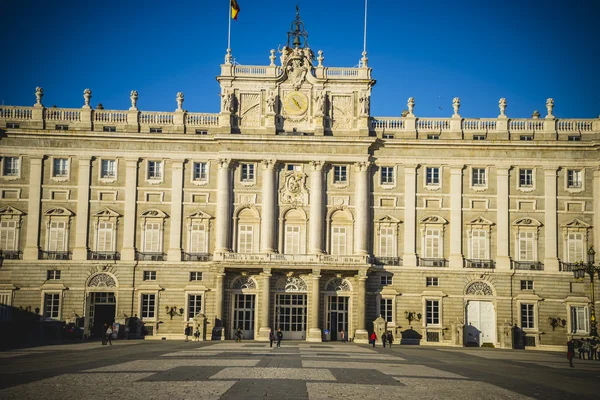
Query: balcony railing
point(397, 261)
point(55, 255)
point(568, 267)
point(140, 256)
point(292, 258)
point(104, 255)
point(489, 264)
point(11, 254)
point(433, 262)
point(528, 265)
point(197, 257)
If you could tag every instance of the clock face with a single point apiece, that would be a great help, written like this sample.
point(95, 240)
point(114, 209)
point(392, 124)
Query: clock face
point(295, 103)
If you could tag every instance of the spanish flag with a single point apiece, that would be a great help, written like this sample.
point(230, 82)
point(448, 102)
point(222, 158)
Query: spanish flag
point(235, 9)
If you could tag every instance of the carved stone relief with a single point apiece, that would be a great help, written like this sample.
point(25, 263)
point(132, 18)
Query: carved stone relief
point(250, 109)
point(341, 112)
point(294, 189)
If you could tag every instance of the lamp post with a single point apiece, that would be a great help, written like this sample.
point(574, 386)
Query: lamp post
point(579, 273)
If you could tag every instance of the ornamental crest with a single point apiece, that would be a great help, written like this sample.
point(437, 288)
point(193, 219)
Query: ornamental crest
point(102, 280)
point(479, 289)
point(296, 72)
point(294, 189)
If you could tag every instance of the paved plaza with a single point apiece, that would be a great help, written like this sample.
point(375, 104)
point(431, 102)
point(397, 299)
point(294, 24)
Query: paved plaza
point(297, 370)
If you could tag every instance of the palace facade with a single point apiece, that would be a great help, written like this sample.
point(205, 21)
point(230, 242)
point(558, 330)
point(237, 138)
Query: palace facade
point(294, 208)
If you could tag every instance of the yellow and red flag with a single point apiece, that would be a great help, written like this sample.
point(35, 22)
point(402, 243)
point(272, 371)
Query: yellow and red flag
point(235, 9)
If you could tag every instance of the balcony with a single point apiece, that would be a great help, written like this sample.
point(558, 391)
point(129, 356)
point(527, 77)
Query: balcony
point(139, 256)
point(395, 261)
point(104, 255)
point(528, 265)
point(55, 255)
point(197, 257)
point(568, 267)
point(433, 262)
point(486, 264)
point(291, 258)
point(11, 254)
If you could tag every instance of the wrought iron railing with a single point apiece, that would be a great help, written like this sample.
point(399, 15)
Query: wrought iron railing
point(528, 265)
point(142, 256)
point(568, 267)
point(433, 262)
point(104, 255)
point(397, 261)
point(489, 264)
point(197, 257)
point(11, 254)
point(55, 255)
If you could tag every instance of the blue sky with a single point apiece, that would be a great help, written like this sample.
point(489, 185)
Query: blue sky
point(432, 50)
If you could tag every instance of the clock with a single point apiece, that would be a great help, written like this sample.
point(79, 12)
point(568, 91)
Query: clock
point(295, 103)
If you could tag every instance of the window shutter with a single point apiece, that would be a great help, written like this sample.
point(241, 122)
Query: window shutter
point(198, 238)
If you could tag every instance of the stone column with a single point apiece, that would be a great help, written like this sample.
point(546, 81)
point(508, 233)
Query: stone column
point(314, 333)
point(596, 194)
point(550, 213)
point(80, 251)
point(131, 175)
point(410, 214)
point(223, 207)
point(174, 253)
point(317, 217)
point(219, 292)
point(503, 200)
point(31, 250)
point(361, 228)
point(267, 242)
point(265, 326)
point(361, 335)
point(456, 256)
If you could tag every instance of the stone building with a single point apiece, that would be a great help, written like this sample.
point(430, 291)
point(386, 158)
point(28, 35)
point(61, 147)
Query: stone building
point(295, 208)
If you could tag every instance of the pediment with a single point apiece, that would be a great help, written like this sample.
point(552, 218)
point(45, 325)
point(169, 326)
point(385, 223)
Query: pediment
point(200, 215)
point(480, 221)
point(10, 211)
point(576, 224)
point(434, 219)
point(153, 214)
point(388, 219)
point(107, 212)
point(527, 221)
point(58, 212)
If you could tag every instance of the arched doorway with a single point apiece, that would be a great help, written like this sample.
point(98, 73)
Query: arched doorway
point(337, 314)
point(243, 300)
point(290, 307)
point(480, 315)
point(101, 303)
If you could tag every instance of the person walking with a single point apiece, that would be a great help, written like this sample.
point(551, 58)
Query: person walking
point(197, 335)
point(271, 338)
point(383, 339)
point(595, 345)
point(586, 348)
point(238, 335)
point(390, 338)
point(570, 351)
point(108, 335)
point(187, 332)
point(279, 337)
point(343, 336)
point(373, 338)
point(580, 349)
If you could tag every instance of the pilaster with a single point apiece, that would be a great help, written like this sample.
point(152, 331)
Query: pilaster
point(268, 207)
point(129, 218)
point(502, 245)
point(314, 332)
point(550, 213)
point(317, 201)
point(223, 222)
point(31, 250)
point(456, 259)
point(361, 335)
point(410, 213)
point(80, 251)
point(361, 233)
point(265, 329)
point(174, 253)
point(219, 292)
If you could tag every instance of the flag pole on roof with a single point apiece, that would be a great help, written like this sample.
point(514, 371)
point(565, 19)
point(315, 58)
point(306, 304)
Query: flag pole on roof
point(232, 13)
point(364, 59)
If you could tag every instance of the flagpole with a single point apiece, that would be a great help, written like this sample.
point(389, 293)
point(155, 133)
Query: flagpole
point(365, 30)
point(229, 26)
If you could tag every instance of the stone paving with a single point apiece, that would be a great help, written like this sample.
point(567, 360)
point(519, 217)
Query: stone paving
point(298, 370)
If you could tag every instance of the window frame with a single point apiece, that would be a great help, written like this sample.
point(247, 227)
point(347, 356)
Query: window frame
point(160, 233)
point(431, 184)
point(525, 187)
point(387, 176)
point(194, 276)
point(53, 173)
point(155, 308)
point(340, 174)
point(248, 176)
point(568, 186)
point(154, 179)
point(336, 247)
point(479, 186)
point(108, 178)
point(570, 322)
point(527, 284)
point(16, 232)
point(249, 248)
point(432, 281)
point(426, 316)
point(386, 307)
point(199, 181)
point(149, 275)
point(528, 321)
point(55, 314)
point(53, 275)
point(188, 305)
point(19, 162)
point(386, 280)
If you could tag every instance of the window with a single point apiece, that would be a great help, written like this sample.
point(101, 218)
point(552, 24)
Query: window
point(526, 285)
point(387, 175)
point(109, 128)
point(385, 309)
point(478, 177)
point(109, 169)
point(340, 174)
point(338, 240)
point(57, 236)
point(387, 136)
point(195, 276)
point(527, 316)
point(385, 280)
point(526, 138)
point(525, 178)
point(52, 305)
point(432, 281)
point(60, 167)
point(155, 170)
point(386, 242)
point(149, 275)
point(526, 246)
point(52, 275)
point(155, 130)
point(245, 239)
point(292, 239)
point(194, 305)
point(198, 238)
point(432, 243)
point(432, 312)
point(574, 179)
point(293, 167)
point(478, 137)
point(148, 306)
point(10, 166)
point(61, 127)
point(105, 237)
point(200, 171)
point(247, 172)
point(575, 248)
point(433, 137)
point(479, 245)
point(152, 239)
point(12, 125)
point(574, 138)
point(579, 320)
point(432, 176)
point(8, 235)
point(201, 132)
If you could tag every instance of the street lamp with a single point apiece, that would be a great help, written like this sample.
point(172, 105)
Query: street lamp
point(579, 273)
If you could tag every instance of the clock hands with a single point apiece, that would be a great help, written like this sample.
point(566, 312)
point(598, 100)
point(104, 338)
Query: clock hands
point(296, 103)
